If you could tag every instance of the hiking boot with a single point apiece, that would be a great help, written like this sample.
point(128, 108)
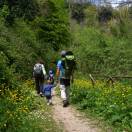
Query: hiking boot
point(51, 103)
point(41, 94)
point(65, 103)
point(48, 103)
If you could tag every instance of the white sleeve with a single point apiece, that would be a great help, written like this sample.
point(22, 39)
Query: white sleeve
point(34, 67)
point(43, 69)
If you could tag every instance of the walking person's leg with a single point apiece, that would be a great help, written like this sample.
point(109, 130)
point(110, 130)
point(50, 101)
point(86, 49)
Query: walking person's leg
point(63, 91)
point(41, 84)
point(49, 100)
point(37, 85)
point(67, 93)
point(67, 90)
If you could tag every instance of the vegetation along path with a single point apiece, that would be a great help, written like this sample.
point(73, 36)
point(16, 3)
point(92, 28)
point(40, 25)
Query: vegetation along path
point(71, 119)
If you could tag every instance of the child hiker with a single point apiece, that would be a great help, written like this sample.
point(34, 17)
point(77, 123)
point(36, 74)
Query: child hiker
point(51, 76)
point(47, 91)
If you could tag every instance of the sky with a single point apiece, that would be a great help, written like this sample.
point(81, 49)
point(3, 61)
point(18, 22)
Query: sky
point(114, 3)
point(97, 2)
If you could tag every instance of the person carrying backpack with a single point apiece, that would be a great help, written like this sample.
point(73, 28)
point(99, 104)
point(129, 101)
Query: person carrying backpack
point(39, 74)
point(51, 76)
point(65, 71)
point(47, 91)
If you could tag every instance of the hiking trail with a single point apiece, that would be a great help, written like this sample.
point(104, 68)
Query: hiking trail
point(71, 120)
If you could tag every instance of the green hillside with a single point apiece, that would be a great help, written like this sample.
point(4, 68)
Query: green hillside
point(30, 30)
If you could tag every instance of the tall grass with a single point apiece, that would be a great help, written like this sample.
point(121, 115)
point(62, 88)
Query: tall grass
point(112, 104)
point(22, 111)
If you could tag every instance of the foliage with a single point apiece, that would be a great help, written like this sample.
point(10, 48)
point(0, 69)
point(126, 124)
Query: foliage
point(97, 52)
point(105, 14)
point(4, 11)
point(91, 15)
point(103, 46)
point(5, 73)
point(130, 12)
point(21, 111)
point(111, 103)
point(21, 45)
point(27, 9)
point(52, 31)
point(80, 12)
point(39, 30)
point(121, 23)
point(52, 27)
point(14, 106)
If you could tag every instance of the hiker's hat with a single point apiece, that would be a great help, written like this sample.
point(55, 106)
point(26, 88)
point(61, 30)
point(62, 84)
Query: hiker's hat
point(63, 53)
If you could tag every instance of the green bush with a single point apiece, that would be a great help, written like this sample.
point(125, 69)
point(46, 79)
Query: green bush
point(77, 12)
point(27, 9)
point(52, 27)
point(111, 103)
point(15, 105)
point(105, 14)
point(21, 111)
point(96, 52)
point(21, 44)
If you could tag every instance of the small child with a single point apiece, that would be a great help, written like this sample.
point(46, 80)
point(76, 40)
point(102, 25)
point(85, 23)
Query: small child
point(51, 76)
point(47, 91)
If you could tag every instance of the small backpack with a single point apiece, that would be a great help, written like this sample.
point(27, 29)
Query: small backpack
point(38, 70)
point(69, 64)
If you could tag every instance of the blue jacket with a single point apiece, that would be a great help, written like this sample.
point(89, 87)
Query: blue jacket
point(47, 88)
point(61, 69)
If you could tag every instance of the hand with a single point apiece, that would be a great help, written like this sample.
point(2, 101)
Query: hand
point(45, 77)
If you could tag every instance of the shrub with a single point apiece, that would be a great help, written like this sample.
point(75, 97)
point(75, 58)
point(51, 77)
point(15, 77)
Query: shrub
point(105, 14)
point(111, 103)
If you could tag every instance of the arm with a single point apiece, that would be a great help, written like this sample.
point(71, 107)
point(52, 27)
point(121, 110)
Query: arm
point(33, 70)
point(43, 69)
point(58, 69)
point(57, 72)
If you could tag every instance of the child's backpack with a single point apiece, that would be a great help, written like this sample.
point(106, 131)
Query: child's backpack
point(69, 64)
point(38, 70)
point(47, 93)
point(47, 90)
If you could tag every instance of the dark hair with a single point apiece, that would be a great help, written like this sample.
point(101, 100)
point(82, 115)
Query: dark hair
point(69, 53)
point(40, 61)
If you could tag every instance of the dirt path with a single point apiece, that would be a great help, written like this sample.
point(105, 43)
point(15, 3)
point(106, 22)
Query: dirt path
point(71, 119)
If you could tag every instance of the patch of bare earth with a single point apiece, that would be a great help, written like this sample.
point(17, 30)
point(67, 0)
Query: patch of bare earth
point(71, 119)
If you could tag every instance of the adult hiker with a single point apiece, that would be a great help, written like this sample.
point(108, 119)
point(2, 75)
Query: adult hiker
point(39, 74)
point(65, 70)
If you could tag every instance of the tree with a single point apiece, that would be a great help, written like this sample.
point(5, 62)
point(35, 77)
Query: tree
point(104, 14)
point(27, 9)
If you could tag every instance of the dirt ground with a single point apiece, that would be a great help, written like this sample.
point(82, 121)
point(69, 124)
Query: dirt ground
point(71, 120)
